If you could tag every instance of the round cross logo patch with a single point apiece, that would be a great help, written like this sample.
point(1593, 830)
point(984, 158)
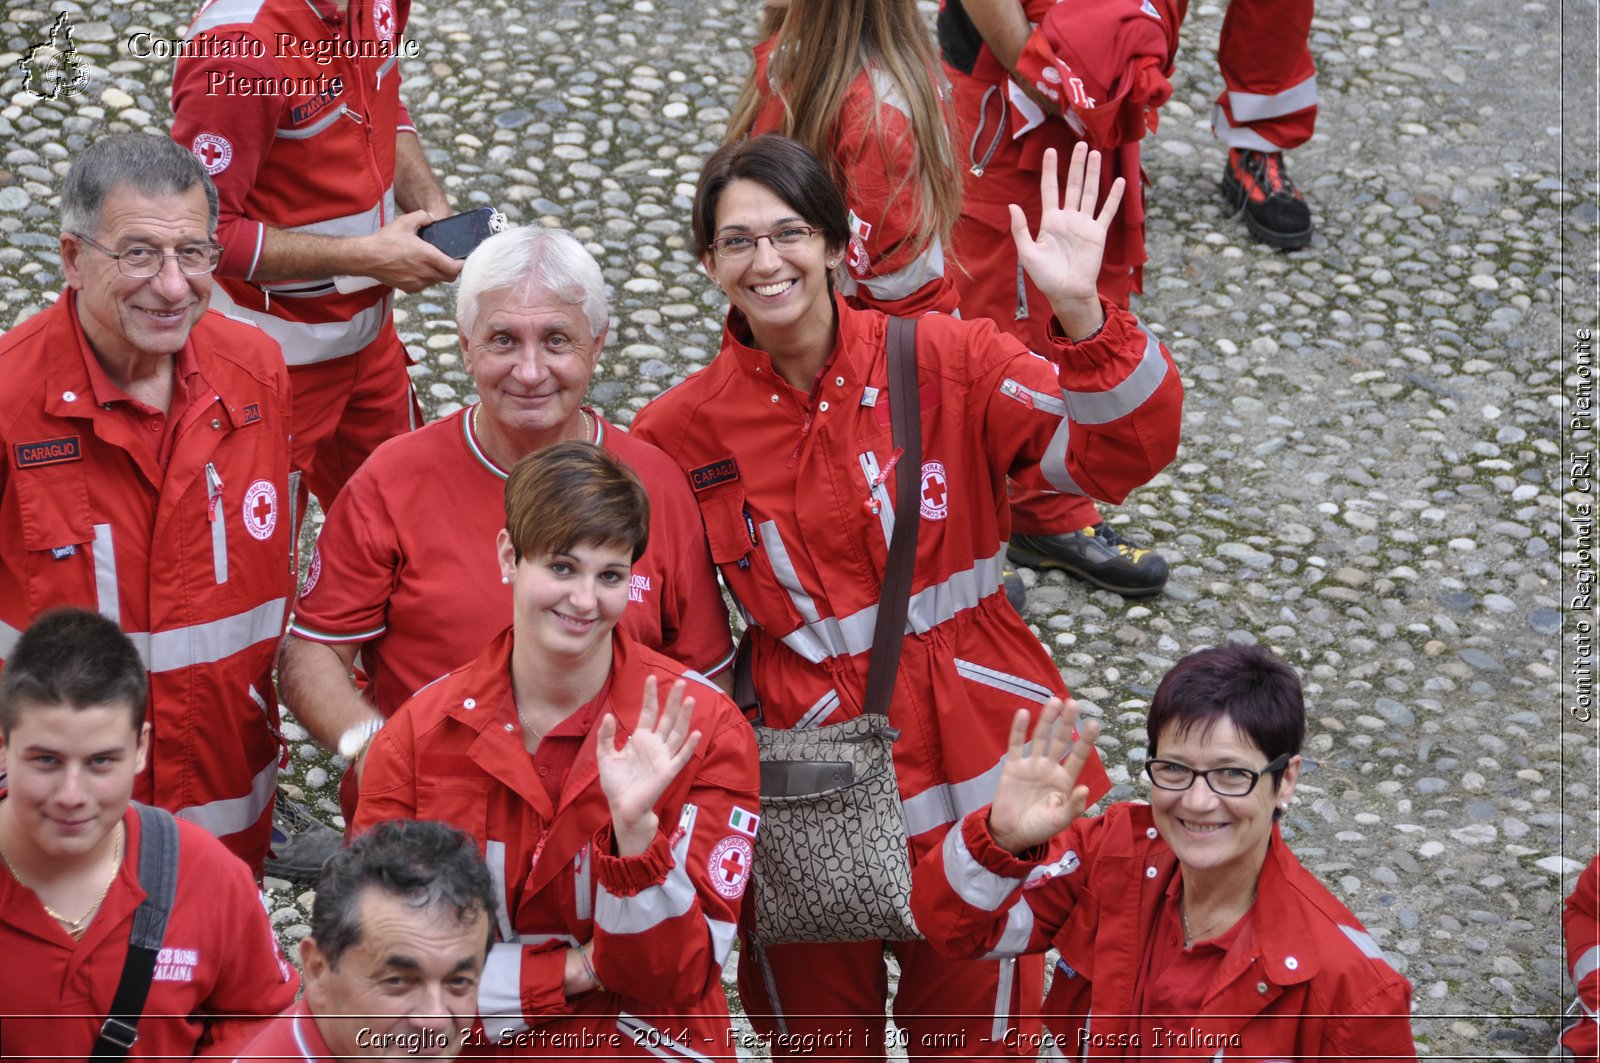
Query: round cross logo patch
point(314, 573)
point(261, 509)
point(214, 152)
point(729, 865)
point(935, 491)
point(383, 19)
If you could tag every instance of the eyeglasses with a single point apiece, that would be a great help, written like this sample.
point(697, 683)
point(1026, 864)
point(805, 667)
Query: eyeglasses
point(140, 262)
point(1225, 782)
point(743, 245)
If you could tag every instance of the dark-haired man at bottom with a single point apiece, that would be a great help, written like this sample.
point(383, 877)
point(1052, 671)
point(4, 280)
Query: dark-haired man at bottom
point(399, 933)
point(73, 873)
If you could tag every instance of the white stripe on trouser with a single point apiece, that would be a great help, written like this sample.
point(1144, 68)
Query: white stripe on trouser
point(1256, 107)
point(654, 1041)
point(105, 574)
point(1246, 138)
point(230, 815)
point(654, 905)
point(307, 343)
point(928, 608)
point(1586, 964)
point(494, 856)
point(1103, 407)
point(1002, 1000)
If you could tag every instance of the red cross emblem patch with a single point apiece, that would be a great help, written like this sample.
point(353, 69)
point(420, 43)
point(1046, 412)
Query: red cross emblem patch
point(214, 152)
point(383, 19)
point(729, 865)
point(261, 509)
point(935, 491)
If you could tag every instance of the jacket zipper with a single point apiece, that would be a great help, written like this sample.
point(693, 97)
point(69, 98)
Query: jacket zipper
point(219, 526)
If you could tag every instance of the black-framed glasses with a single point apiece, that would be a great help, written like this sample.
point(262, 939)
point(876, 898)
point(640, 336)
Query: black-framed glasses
point(140, 262)
point(742, 245)
point(1225, 782)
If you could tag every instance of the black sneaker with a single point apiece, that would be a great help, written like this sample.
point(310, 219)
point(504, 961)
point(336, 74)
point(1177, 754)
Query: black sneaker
point(301, 843)
point(1099, 554)
point(1016, 590)
point(1274, 209)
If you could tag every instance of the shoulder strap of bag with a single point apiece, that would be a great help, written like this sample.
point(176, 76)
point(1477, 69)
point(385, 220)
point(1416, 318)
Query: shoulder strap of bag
point(905, 423)
point(158, 876)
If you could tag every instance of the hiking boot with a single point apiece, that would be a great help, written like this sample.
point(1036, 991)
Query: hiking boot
point(1274, 209)
point(301, 843)
point(1099, 554)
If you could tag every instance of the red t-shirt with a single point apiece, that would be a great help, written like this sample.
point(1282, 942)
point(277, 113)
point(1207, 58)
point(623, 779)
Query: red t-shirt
point(1177, 980)
point(219, 957)
point(406, 563)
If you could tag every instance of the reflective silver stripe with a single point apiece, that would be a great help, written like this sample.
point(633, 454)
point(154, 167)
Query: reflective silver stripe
point(105, 574)
point(820, 710)
point(880, 492)
point(1586, 965)
point(722, 935)
point(1248, 139)
point(1254, 107)
point(8, 638)
point(500, 992)
point(783, 568)
point(308, 343)
point(641, 1034)
point(1363, 941)
point(971, 881)
point(1103, 407)
point(1042, 400)
point(904, 282)
point(946, 802)
point(388, 65)
point(234, 814)
point(1011, 684)
point(582, 883)
point(1002, 999)
point(224, 13)
point(214, 640)
point(361, 223)
point(928, 608)
point(494, 856)
point(695, 677)
point(1054, 463)
point(654, 905)
point(315, 127)
point(1018, 930)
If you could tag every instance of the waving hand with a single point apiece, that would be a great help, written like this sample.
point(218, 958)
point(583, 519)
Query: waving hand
point(1038, 795)
point(1064, 259)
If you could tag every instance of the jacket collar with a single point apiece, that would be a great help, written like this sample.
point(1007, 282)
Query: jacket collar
point(858, 347)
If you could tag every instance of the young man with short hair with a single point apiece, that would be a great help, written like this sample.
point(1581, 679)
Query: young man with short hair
point(73, 738)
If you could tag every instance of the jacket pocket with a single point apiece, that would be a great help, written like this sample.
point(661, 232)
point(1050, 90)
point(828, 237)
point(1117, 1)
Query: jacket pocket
point(68, 558)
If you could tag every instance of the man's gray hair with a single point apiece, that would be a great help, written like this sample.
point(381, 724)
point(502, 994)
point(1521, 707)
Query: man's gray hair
point(145, 163)
point(512, 260)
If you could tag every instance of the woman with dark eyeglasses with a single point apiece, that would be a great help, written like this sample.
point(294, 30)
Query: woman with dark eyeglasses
point(1186, 927)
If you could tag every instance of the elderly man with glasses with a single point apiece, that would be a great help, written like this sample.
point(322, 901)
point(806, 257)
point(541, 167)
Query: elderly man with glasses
point(146, 476)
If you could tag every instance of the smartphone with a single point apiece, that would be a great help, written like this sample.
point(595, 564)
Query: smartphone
point(459, 234)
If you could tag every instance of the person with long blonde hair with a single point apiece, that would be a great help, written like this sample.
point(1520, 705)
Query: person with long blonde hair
point(858, 83)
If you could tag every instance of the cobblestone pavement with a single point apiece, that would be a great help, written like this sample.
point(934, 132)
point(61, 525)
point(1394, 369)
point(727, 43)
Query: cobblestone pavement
point(1371, 473)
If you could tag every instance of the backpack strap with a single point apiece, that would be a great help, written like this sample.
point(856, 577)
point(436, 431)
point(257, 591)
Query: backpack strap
point(158, 876)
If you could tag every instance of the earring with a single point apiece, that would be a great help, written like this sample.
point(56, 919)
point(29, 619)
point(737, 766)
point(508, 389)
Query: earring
point(506, 580)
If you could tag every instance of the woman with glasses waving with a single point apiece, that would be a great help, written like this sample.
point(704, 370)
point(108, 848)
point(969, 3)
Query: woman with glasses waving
point(787, 440)
point(1186, 927)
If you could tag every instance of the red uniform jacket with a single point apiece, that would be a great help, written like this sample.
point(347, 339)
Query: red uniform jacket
point(1581, 921)
point(785, 480)
point(316, 156)
point(194, 561)
point(219, 957)
point(406, 563)
point(662, 921)
point(888, 268)
point(1312, 984)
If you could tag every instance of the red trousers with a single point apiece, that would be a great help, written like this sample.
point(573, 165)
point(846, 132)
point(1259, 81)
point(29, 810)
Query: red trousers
point(1270, 99)
point(826, 1002)
point(344, 408)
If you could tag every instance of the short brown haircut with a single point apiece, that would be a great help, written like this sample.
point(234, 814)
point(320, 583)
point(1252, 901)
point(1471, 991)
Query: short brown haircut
point(76, 658)
point(572, 494)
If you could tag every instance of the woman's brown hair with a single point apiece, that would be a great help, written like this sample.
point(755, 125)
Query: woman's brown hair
point(572, 494)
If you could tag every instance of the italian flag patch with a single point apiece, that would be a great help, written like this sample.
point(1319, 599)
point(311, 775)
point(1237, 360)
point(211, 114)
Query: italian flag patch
point(743, 821)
